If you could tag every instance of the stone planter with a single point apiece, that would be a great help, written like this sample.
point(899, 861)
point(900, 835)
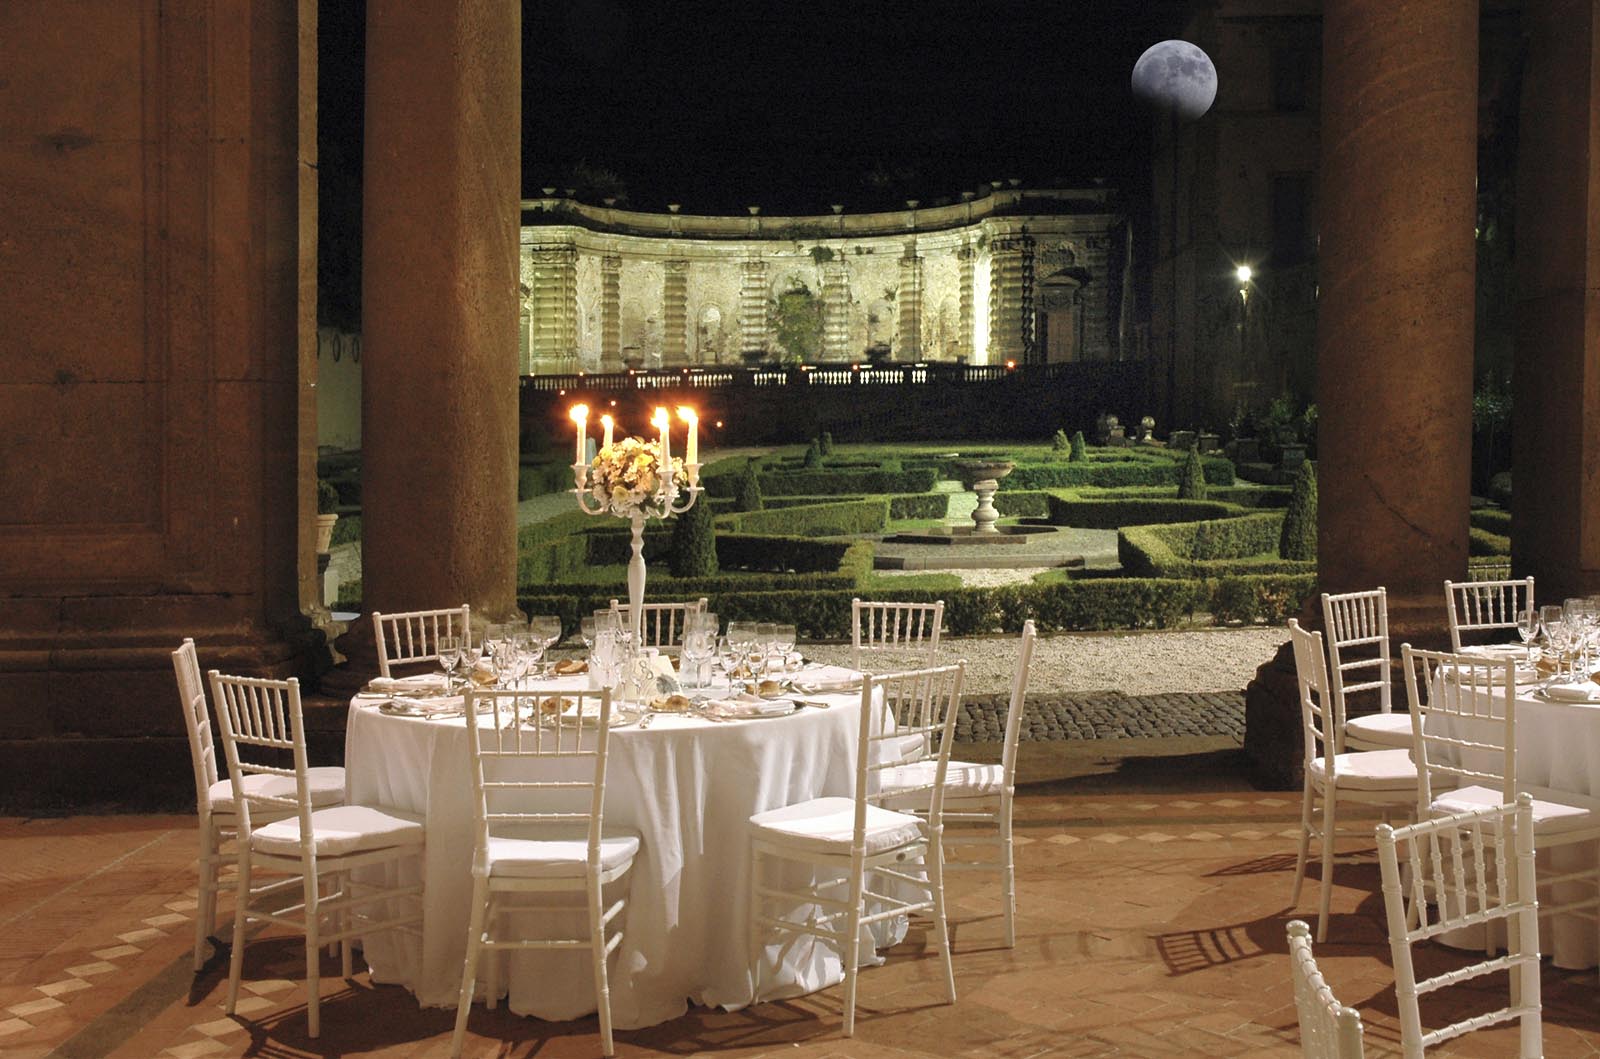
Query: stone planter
point(982, 477)
point(1210, 442)
point(325, 525)
point(1293, 455)
point(1180, 440)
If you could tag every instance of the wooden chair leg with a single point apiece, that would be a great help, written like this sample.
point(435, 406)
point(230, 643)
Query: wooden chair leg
point(1329, 818)
point(469, 968)
point(597, 951)
point(848, 949)
point(313, 957)
point(241, 908)
point(1307, 799)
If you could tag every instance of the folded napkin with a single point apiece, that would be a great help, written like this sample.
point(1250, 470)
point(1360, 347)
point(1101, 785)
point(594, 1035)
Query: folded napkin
point(418, 684)
point(1497, 651)
point(1583, 691)
point(404, 707)
point(747, 705)
point(824, 687)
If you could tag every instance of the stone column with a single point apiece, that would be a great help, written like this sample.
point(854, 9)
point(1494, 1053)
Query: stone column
point(835, 310)
point(439, 306)
point(967, 255)
point(675, 314)
point(754, 325)
point(1011, 260)
point(1557, 375)
point(611, 313)
point(1394, 326)
point(908, 301)
point(555, 307)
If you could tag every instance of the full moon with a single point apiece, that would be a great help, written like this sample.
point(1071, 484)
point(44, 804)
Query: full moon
point(1176, 76)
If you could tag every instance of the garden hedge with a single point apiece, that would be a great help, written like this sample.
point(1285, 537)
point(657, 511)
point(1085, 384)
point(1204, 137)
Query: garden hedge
point(1492, 519)
point(1210, 549)
point(1159, 471)
point(816, 520)
point(1064, 508)
point(826, 482)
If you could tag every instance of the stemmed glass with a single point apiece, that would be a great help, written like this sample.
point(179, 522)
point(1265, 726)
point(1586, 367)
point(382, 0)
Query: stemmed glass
point(766, 643)
point(449, 659)
point(699, 645)
point(742, 638)
point(1553, 623)
point(783, 641)
point(1528, 629)
point(545, 630)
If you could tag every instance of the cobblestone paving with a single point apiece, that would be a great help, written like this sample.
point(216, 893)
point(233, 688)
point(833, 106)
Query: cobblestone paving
point(1105, 715)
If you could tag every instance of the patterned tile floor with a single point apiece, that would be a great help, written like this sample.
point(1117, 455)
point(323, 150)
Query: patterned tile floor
point(1152, 924)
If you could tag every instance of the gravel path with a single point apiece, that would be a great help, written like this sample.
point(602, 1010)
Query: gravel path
point(1140, 663)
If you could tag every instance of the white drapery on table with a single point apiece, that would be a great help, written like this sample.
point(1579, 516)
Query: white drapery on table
point(688, 787)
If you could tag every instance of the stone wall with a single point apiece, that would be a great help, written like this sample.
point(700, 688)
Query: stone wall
point(606, 289)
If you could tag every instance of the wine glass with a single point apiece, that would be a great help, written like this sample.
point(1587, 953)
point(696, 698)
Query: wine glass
point(545, 629)
point(605, 658)
point(586, 630)
point(730, 655)
point(699, 644)
point(1528, 629)
point(449, 658)
point(783, 641)
point(766, 635)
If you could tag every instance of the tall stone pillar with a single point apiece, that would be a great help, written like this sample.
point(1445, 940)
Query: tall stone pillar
point(675, 314)
point(908, 299)
point(611, 313)
point(439, 305)
point(754, 322)
point(1394, 325)
point(1557, 376)
point(835, 310)
point(555, 307)
point(1011, 264)
point(967, 257)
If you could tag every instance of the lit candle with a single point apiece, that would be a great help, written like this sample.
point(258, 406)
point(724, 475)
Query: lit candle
point(692, 453)
point(608, 423)
point(580, 417)
point(660, 419)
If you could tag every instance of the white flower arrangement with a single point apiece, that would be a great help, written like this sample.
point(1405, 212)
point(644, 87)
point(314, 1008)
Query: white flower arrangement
point(626, 477)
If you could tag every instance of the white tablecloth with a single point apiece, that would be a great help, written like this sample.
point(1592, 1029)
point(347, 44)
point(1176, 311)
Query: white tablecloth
point(688, 787)
point(1558, 746)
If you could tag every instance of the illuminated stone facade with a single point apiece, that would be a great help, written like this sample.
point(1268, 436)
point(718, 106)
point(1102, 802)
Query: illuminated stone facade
point(1031, 276)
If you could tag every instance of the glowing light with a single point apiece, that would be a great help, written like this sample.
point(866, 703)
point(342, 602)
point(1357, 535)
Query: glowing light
point(1011, 365)
point(1244, 272)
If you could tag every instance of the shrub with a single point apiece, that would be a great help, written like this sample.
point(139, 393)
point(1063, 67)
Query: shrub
point(1493, 520)
point(1245, 544)
point(347, 529)
point(1269, 598)
point(1298, 539)
point(694, 543)
point(540, 479)
point(1060, 442)
point(1080, 451)
point(1480, 542)
point(1192, 478)
point(327, 497)
point(1066, 508)
point(817, 520)
point(919, 505)
point(1154, 470)
point(1028, 503)
point(747, 496)
point(813, 457)
point(827, 482)
point(825, 443)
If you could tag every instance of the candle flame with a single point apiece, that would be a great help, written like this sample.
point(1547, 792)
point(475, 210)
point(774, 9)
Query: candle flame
point(607, 422)
point(661, 418)
point(687, 414)
point(578, 413)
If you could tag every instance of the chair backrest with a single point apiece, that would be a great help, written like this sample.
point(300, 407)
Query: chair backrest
point(413, 635)
point(902, 634)
point(197, 719)
point(1317, 717)
point(570, 732)
point(261, 723)
point(907, 717)
point(1476, 868)
point(660, 624)
point(1463, 721)
point(1019, 691)
point(1476, 606)
point(1357, 624)
point(1328, 1029)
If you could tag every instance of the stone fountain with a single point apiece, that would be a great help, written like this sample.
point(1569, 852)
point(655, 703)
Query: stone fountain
point(983, 477)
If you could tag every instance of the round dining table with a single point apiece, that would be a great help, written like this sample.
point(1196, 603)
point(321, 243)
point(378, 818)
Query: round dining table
point(687, 785)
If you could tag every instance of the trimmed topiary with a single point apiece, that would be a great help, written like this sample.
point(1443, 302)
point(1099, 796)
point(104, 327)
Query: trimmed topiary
point(1192, 478)
point(825, 443)
point(694, 544)
point(327, 497)
point(1060, 443)
point(1299, 537)
point(747, 496)
point(1080, 451)
point(813, 460)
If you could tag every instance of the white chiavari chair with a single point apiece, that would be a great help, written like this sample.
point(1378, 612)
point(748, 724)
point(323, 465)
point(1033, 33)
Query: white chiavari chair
point(891, 636)
point(538, 785)
point(1382, 778)
point(413, 636)
point(1357, 625)
point(978, 798)
point(1464, 724)
point(661, 624)
point(838, 843)
point(1328, 1029)
point(1486, 606)
point(214, 802)
point(262, 723)
point(1477, 869)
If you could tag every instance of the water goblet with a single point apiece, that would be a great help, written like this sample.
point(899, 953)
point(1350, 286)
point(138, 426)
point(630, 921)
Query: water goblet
point(1528, 630)
point(783, 641)
point(545, 629)
point(586, 630)
point(449, 658)
point(698, 647)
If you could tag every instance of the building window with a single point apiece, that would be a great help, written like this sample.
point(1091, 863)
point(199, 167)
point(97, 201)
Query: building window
point(1292, 236)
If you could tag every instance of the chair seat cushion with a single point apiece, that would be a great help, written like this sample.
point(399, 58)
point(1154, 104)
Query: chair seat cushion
point(556, 857)
point(326, 783)
point(963, 781)
point(1384, 729)
point(1370, 770)
point(341, 830)
point(827, 825)
point(1554, 812)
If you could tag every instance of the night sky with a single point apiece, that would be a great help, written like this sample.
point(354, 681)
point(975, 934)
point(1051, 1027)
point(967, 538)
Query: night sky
point(721, 104)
